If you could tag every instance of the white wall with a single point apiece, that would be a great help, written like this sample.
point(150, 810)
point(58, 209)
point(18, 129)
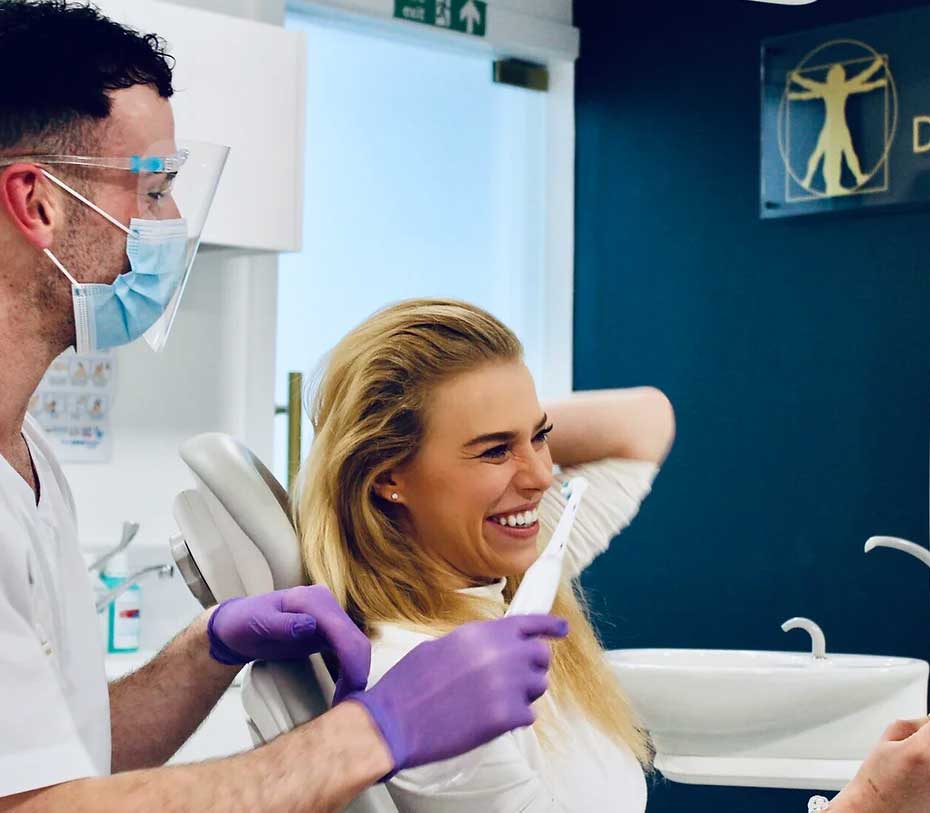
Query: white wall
point(266, 11)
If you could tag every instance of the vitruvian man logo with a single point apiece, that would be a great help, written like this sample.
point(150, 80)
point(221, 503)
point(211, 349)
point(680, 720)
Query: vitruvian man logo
point(837, 121)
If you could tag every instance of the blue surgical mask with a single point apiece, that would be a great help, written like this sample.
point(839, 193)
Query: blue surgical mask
point(114, 314)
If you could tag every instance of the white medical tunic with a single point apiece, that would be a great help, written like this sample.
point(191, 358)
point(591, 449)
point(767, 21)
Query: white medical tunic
point(583, 770)
point(54, 702)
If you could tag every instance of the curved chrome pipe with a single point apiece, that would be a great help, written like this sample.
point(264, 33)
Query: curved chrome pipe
point(899, 544)
point(105, 599)
point(818, 640)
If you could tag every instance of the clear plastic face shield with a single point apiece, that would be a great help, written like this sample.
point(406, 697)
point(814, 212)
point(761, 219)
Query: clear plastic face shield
point(175, 187)
point(183, 188)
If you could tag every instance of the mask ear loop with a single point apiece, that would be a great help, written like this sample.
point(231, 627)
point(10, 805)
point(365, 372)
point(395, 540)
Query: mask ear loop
point(86, 202)
point(60, 267)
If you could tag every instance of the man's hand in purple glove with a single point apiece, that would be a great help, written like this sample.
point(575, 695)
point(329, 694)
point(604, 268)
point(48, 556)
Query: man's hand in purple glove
point(453, 694)
point(287, 625)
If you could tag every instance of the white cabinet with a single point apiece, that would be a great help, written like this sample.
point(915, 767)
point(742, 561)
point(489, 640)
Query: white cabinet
point(241, 83)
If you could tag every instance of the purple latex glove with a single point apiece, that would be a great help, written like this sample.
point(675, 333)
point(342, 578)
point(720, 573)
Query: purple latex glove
point(453, 694)
point(287, 625)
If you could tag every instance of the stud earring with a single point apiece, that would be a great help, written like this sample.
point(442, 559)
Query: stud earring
point(395, 496)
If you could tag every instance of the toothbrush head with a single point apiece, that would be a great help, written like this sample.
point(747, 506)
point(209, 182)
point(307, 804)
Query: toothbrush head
point(574, 485)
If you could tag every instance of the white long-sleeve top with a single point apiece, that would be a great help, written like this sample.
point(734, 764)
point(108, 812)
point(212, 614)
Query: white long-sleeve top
point(583, 770)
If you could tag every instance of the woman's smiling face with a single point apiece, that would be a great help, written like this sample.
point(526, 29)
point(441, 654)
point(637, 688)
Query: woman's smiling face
point(473, 489)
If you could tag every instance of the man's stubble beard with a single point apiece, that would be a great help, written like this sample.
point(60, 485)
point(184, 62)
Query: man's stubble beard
point(86, 241)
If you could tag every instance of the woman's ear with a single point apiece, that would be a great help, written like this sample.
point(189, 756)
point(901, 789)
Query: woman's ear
point(387, 488)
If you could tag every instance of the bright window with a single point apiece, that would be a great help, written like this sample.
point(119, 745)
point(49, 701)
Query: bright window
point(423, 178)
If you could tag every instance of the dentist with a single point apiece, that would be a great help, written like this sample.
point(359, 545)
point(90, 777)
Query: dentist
point(100, 218)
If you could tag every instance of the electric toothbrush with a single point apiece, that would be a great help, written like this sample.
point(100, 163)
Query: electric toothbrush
point(536, 594)
point(540, 583)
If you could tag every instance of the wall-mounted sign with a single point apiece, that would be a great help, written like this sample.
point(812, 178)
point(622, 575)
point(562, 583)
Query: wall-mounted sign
point(72, 405)
point(846, 117)
point(464, 16)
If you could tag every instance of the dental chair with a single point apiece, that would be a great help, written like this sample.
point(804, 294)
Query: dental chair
point(236, 540)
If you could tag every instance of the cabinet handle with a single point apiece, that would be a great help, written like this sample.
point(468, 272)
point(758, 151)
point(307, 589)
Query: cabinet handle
point(294, 412)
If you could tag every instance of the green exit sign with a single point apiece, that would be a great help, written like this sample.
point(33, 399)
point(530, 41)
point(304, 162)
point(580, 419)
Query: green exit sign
point(465, 16)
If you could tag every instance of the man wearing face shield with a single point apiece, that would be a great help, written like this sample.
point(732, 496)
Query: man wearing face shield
point(101, 212)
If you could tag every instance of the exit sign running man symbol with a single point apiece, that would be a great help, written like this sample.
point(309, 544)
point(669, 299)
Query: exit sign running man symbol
point(464, 16)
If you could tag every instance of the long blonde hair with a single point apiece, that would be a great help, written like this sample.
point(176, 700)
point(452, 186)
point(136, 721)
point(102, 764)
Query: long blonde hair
point(368, 414)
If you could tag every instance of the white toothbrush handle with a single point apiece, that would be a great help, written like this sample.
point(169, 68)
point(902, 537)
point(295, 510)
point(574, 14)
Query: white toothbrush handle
point(541, 581)
point(536, 595)
point(538, 588)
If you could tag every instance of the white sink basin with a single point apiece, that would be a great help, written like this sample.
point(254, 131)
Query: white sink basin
point(784, 719)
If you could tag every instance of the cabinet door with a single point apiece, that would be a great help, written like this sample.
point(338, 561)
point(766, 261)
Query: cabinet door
point(241, 83)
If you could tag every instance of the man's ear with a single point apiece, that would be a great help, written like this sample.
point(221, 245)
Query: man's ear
point(31, 203)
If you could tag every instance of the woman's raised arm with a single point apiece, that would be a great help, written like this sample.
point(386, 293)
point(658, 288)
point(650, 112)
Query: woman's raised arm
point(636, 423)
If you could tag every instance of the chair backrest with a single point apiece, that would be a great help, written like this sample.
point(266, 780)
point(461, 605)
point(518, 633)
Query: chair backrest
point(237, 539)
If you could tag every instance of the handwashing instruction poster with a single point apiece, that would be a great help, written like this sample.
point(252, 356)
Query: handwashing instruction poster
point(72, 405)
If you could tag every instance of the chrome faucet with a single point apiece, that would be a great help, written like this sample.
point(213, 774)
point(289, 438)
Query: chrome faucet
point(897, 543)
point(130, 529)
point(105, 599)
point(818, 641)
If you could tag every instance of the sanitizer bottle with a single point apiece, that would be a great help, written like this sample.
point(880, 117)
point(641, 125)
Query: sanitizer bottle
point(123, 613)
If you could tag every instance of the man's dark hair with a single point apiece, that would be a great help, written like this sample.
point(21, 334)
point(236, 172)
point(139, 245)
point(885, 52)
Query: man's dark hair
point(58, 60)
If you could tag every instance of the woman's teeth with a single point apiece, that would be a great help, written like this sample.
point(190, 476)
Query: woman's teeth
point(520, 520)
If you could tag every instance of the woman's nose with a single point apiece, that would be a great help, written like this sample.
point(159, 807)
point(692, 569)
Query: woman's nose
point(536, 473)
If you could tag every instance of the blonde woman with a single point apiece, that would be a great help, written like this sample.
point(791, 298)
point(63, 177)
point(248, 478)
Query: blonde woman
point(429, 489)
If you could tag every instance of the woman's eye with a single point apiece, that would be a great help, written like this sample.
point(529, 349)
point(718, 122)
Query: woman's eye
point(543, 435)
point(495, 452)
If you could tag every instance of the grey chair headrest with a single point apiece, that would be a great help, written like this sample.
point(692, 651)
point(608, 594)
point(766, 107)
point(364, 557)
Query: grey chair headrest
point(236, 483)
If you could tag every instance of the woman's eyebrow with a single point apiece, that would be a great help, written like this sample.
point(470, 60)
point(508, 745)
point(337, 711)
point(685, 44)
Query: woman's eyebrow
point(504, 437)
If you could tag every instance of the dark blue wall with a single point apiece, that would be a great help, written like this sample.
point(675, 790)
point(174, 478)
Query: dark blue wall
point(796, 352)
